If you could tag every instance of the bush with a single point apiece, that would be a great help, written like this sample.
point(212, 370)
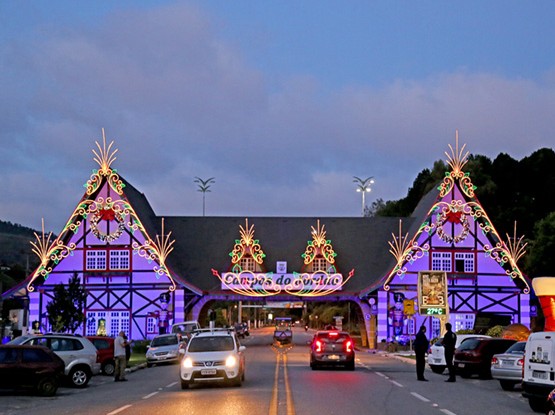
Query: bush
point(139, 346)
point(495, 331)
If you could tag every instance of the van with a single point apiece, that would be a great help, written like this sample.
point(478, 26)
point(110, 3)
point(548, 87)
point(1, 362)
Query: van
point(538, 377)
point(185, 328)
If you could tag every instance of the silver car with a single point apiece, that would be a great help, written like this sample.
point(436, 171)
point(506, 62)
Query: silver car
point(163, 349)
point(507, 367)
point(436, 354)
point(78, 353)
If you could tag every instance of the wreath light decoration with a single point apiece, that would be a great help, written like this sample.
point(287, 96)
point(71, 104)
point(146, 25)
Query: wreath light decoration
point(107, 213)
point(456, 216)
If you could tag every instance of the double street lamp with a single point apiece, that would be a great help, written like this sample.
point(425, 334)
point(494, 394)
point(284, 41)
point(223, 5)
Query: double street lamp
point(363, 186)
point(204, 186)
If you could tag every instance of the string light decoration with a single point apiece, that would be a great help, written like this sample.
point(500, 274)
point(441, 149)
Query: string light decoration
point(104, 157)
point(157, 251)
point(101, 209)
point(404, 251)
point(246, 246)
point(249, 283)
point(457, 212)
point(319, 246)
point(317, 284)
point(50, 253)
point(509, 253)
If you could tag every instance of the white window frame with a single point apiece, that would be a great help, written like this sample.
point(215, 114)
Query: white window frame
point(119, 259)
point(319, 264)
point(247, 264)
point(95, 260)
point(442, 261)
point(468, 258)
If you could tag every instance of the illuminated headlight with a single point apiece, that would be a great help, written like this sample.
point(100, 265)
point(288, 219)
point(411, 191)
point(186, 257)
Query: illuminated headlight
point(231, 361)
point(187, 363)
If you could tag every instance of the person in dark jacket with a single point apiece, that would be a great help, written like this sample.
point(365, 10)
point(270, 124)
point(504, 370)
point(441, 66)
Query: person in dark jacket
point(449, 341)
point(421, 346)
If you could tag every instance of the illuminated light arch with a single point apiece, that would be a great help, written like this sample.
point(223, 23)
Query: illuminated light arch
point(104, 157)
point(316, 284)
point(249, 283)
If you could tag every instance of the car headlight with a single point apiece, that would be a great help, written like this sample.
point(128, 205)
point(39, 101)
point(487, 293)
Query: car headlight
point(187, 363)
point(231, 361)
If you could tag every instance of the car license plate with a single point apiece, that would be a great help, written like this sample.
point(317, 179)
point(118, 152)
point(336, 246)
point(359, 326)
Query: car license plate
point(437, 360)
point(539, 375)
point(206, 372)
point(461, 365)
point(333, 357)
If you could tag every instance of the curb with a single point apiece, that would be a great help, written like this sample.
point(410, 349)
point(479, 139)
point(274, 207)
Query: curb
point(135, 368)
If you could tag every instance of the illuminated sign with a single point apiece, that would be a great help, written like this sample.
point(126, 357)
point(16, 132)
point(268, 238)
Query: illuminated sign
point(432, 292)
point(281, 282)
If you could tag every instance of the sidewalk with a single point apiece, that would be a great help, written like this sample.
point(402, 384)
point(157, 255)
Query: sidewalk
point(405, 356)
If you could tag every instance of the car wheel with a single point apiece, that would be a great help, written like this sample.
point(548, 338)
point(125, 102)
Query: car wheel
point(184, 384)
point(465, 374)
point(79, 376)
point(149, 365)
point(351, 365)
point(537, 404)
point(47, 386)
point(507, 385)
point(437, 369)
point(109, 368)
point(237, 382)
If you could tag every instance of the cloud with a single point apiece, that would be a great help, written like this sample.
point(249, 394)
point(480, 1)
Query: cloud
point(180, 101)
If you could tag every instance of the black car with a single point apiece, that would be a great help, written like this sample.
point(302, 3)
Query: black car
point(34, 367)
point(332, 348)
point(473, 356)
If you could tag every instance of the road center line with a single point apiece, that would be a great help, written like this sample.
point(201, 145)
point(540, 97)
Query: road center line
point(117, 411)
point(447, 412)
point(418, 396)
point(289, 395)
point(396, 383)
point(380, 374)
point(150, 395)
point(274, 400)
point(171, 384)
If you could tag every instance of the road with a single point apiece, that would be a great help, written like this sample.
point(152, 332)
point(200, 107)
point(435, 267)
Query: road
point(280, 382)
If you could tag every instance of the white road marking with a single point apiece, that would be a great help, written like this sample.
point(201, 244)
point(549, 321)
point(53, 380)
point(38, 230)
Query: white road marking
point(150, 395)
point(397, 384)
point(117, 411)
point(171, 384)
point(380, 374)
point(447, 412)
point(418, 396)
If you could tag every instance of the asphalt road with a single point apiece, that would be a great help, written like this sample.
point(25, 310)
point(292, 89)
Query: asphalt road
point(280, 382)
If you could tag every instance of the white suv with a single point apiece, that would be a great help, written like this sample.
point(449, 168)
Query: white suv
point(213, 355)
point(78, 353)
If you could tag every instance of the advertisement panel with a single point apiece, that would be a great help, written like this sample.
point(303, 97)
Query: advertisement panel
point(432, 293)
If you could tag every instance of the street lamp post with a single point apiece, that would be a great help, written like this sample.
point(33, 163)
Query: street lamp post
point(363, 186)
point(204, 186)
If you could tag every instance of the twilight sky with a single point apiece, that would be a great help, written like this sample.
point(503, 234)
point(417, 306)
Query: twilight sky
point(283, 102)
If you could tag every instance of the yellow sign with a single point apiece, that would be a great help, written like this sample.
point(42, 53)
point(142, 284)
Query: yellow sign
point(432, 292)
point(408, 307)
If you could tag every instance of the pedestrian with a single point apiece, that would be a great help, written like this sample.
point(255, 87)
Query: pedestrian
point(421, 346)
point(449, 341)
point(127, 351)
point(119, 357)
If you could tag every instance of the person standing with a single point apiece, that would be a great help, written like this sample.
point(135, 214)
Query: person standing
point(421, 346)
point(449, 341)
point(119, 357)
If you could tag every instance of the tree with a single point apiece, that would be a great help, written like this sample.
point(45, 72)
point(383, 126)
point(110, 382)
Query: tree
point(65, 311)
point(539, 261)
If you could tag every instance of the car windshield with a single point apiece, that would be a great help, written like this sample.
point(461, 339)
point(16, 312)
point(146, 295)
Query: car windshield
point(517, 348)
point(439, 342)
point(164, 341)
point(184, 328)
point(211, 344)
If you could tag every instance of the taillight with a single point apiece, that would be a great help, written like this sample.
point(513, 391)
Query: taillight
point(348, 346)
point(318, 345)
point(520, 362)
point(494, 361)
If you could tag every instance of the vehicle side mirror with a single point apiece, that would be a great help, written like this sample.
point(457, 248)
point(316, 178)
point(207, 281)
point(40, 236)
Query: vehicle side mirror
point(242, 348)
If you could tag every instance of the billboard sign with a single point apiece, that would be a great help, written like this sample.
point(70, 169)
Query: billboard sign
point(432, 293)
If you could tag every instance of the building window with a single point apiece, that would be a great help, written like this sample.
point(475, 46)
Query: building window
point(96, 260)
point(464, 262)
point(464, 321)
point(119, 259)
point(151, 325)
point(319, 264)
point(247, 264)
point(441, 261)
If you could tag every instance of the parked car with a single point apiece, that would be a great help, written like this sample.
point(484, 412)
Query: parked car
point(507, 367)
point(78, 353)
point(33, 367)
point(213, 355)
point(332, 348)
point(474, 356)
point(105, 347)
point(436, 353)
point(163, 349)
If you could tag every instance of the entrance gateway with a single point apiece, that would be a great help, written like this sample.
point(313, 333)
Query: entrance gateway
point(143, 273)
